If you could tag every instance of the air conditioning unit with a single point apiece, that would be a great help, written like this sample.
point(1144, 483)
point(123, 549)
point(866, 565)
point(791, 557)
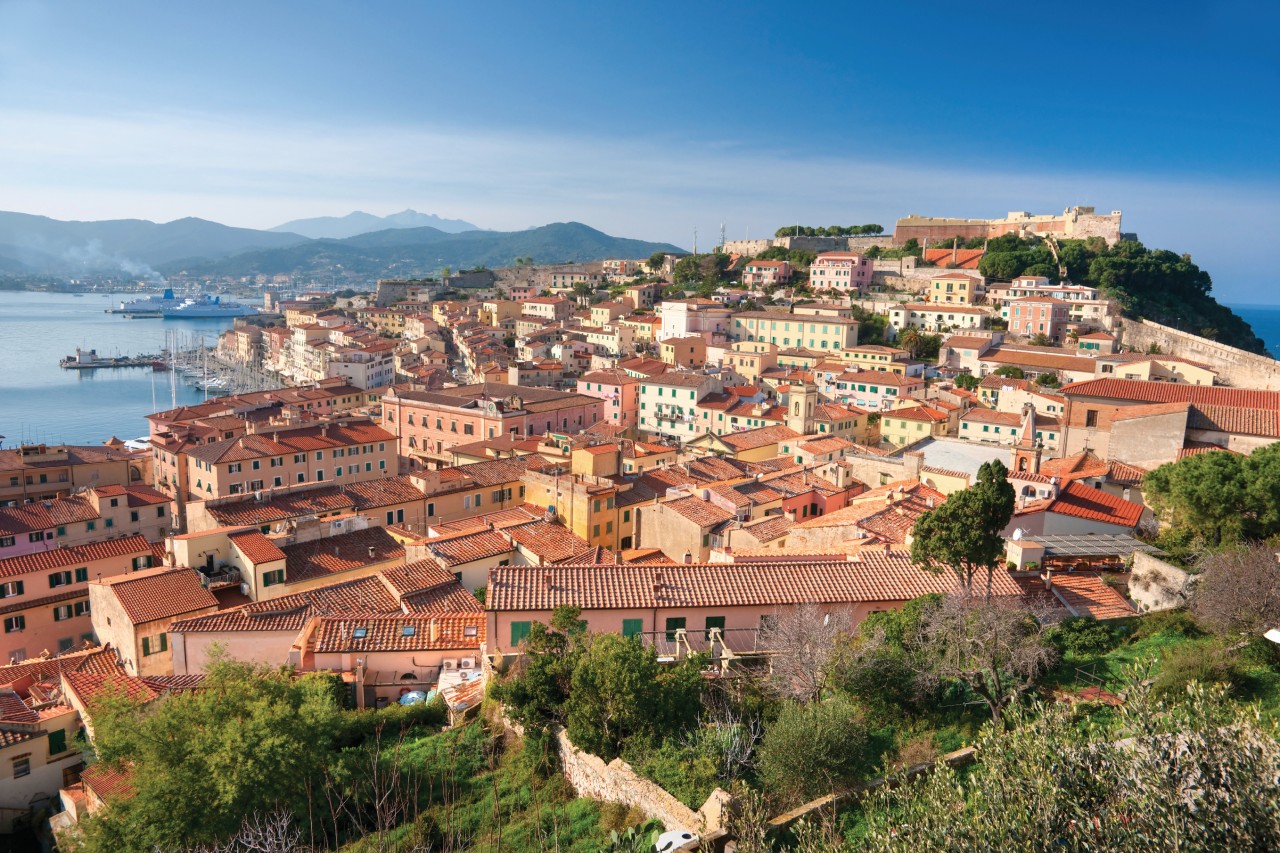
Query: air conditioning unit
point(448, 665)
point(467, 663)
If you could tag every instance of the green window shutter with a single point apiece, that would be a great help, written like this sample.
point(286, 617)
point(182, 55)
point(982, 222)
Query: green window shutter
point(57, 741)
point(164, 642)
point(674, 623)
point(82, 575)
point(519, 630)
point(715, 622)
point(632, 627)
point(146, 646)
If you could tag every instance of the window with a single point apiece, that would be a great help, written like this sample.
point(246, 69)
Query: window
point(674, 623)
point(155, 645)
point(519, 630)
point(6, 541)
point(632, 627)
point(133, 516)
point(408, 630)
point(82, 609)
point(1091, 418)
point(57, 579)
point(21, 767)
point(714, 622)
point(273, 577)
point(10, 589)
point(257, 464)
point(15, 623)
point(61, 612)
point(57, 741)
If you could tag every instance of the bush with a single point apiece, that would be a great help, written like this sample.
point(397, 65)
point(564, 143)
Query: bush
point(1173, 622)
point(688, 774)
point(1207, 664)
point(1081, 637)
point(811, 750)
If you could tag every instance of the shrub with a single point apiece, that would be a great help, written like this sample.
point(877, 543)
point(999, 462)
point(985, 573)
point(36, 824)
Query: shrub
point(816, 749)
point(688, 774)
point(1173, 622)
point(1081, 637)
point(1207, 664)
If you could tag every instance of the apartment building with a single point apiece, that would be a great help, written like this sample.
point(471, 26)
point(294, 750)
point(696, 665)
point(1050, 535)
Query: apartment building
point(703, 318)
point(760, 274)
point(620, 392)
point(345, 451)
point(429, 423)
point(105, 512)
point(930, 317)
point(44, 597)
point(1038, 315)
point(843, 271)
point(44, 472)
point(955, 288)
point(793, 330)
point(669, 402)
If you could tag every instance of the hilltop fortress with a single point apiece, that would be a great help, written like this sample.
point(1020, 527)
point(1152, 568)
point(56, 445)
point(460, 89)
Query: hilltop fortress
point(1074, 223)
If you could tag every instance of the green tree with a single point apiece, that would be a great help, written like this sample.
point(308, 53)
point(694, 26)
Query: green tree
point(1048, 380)
point(656, 260)
point(810, 750)
point(910, 341)
point(619, 694)
point(1009, 372)
point(1208, 494)
point(536, 690)
point(963, 534)
point(250, 740)
point(968, 382)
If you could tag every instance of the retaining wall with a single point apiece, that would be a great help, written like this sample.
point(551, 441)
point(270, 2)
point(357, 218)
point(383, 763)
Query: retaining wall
point(1235, 366)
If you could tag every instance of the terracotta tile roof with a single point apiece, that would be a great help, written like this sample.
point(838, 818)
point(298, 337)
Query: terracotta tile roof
point(1079, 501)
point(1004, 383)
point(646, 557)
point(1125, 474)
point(417, 576)
point(596, 555)
point(468, 547)
point(45, 515)
point(1087, 594)
point(446, 598)
point(502, 518)
point(291, 440)
point(336, 554)
point(712, 468)
point(399, 633)
point(1235, 420)
point(57, 558)
point(1039, 360)
point(991, 416)
point(153, 594)
point(827, 444)
point(87, 686)
point(876, 576)
point(258, 549)
point(107, 782)
point(290, 612)
point(19, 675)
point(769, 528)
point(700, 512)
point(281, 507)
point(1195, 448)
point(751, 439)
point(928, 414)
point(1067, 468)
point(965, 259)
point(14, 710)
point(551, 542)
point(1138, 390)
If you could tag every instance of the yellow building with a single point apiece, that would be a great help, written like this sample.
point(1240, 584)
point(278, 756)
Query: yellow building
point(793, 330)
point(901, 427)
point(954, 288)
point(684, 352)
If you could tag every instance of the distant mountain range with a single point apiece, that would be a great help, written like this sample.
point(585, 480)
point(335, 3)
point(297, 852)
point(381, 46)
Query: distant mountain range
point(359, 222)
point(40, 245)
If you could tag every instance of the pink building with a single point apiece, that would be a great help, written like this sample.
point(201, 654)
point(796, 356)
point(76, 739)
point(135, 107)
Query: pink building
point(703, 318)
point(1038, 315)
point(104, 512)
point(620, 392)
point(44, 597)
point(676, 608)
point(766, 273)
point(843, 271)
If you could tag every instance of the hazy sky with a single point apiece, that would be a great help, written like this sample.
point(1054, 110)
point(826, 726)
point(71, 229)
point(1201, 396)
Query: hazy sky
point(650, 119)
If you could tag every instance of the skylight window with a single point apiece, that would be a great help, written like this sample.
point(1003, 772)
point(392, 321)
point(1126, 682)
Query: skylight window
point(408, 631)
point(360, 633)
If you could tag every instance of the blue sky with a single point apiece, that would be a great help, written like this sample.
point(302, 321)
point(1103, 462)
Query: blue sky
point(650, 119)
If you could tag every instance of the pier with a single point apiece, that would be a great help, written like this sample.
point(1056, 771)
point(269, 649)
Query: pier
point(89, 360)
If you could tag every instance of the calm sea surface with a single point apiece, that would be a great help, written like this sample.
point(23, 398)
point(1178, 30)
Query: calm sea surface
point(39, 401)
point(1265, 320)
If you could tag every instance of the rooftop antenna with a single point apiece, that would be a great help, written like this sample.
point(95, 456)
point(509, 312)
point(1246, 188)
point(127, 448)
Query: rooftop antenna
point(722, 236)
point(695, 239)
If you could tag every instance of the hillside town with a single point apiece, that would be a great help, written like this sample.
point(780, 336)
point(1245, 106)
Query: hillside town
point(712, 454)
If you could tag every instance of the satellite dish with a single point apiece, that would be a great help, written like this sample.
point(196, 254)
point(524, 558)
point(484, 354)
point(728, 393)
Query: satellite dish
point(1017, 535)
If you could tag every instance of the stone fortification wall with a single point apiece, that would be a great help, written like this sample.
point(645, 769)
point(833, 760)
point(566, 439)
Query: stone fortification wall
point(1234, 366)
point(1074, 223)
point(858, 243)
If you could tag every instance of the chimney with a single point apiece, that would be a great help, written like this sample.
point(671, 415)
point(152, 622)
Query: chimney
point(688, 558)
point(433, 632)
point(1048, 578)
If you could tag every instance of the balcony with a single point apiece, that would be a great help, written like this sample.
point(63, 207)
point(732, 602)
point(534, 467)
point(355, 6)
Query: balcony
point(721, 645)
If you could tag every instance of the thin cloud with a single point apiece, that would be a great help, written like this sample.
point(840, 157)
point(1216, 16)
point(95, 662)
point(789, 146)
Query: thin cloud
point(659, 187)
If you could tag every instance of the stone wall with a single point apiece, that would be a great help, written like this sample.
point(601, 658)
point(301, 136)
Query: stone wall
point(616, 782)
point(1235, 366)
point(1157, 585)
